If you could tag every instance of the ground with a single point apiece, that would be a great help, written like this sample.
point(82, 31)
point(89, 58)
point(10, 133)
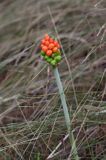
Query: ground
point(31, 117)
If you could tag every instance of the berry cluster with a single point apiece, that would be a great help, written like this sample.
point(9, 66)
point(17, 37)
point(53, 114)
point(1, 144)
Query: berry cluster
point(50, 50)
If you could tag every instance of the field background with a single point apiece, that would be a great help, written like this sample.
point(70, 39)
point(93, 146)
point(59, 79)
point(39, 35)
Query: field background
point(31, 117)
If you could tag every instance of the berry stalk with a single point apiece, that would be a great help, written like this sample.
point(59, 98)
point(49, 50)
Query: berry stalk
point(66, 114)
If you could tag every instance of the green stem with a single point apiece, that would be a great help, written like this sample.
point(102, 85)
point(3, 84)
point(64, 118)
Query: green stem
point(66, 113)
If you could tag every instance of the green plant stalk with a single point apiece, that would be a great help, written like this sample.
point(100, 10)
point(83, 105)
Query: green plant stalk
point(66, 113)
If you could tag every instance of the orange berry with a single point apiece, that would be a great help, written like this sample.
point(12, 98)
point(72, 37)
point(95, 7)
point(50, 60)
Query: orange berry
point(51, 40)
point(44, 48)
point(43, 41)
point(41, 46)
point(47, 37)
point(56, 43)
point(58, 46)
point(55, 49)
point(51, 46)
point(49, 52)
point(46, 43)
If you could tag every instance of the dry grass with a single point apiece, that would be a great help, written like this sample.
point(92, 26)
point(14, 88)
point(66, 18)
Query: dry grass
point(31, 118)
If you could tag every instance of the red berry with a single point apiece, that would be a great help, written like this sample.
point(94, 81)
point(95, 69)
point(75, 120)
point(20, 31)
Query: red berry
point(42, 45)
point(47, 37)
point(43, 41)
point(51, 40)
point(56, 43)
point(49, 52)
point(46, 43)
point(51, 46)
point(44, 48)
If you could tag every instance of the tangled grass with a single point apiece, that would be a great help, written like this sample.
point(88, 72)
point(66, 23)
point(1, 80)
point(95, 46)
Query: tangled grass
point(32, 123)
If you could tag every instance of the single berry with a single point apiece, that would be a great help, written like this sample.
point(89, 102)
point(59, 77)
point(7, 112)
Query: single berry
point(51, 40)
point(49, 59)
point(57, 58)
point(47, 37)
point(51, 46)
point(43, 41)
point(53, 62)
point(42, 45)
point(47, 43)
point(56, 43)
point(55, 49)
point(44, 48)
point(49, 52)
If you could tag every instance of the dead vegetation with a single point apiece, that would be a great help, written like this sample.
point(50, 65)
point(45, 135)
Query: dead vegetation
point(31, 118)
